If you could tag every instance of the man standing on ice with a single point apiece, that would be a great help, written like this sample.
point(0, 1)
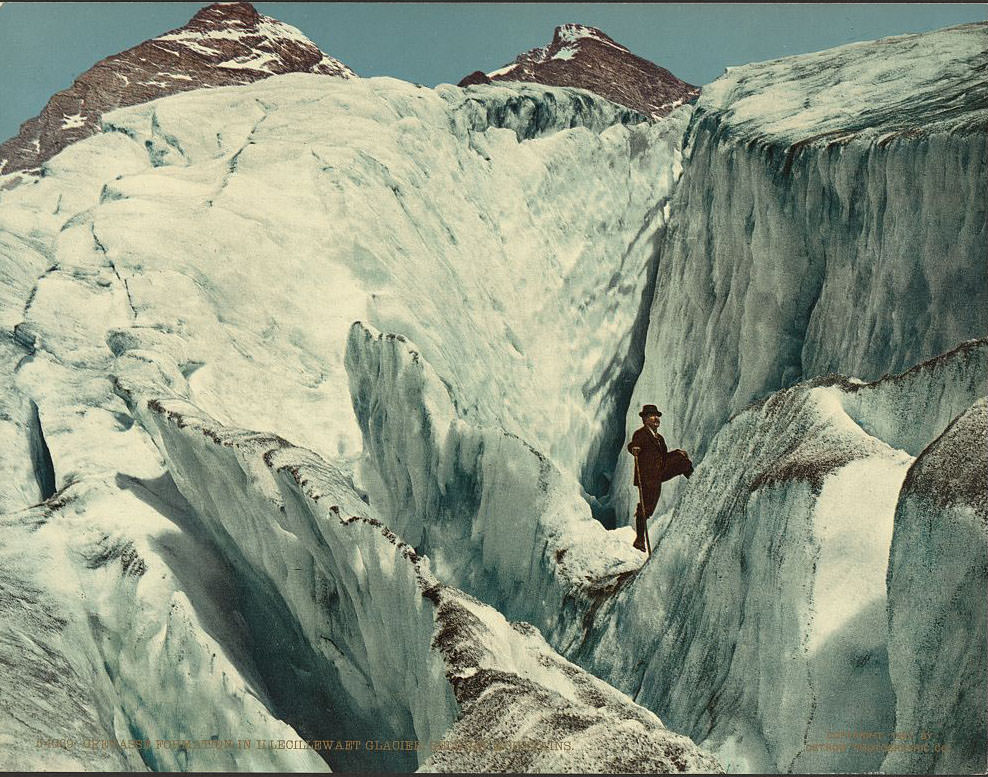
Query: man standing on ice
point(653, 465)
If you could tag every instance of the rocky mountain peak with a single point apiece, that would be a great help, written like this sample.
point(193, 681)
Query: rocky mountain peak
point(574, 33)
point(587, 58)
point(222, 45)
point(223, 14)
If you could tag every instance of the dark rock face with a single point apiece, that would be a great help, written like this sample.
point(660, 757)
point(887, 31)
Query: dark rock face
point(224, 44)
point(586, 58)
point(476, 77)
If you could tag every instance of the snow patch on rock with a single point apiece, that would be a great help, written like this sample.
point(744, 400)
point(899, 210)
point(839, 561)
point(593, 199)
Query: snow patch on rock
point(223, 44)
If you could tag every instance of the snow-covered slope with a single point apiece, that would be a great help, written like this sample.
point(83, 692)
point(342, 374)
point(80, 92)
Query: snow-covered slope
point(198, 216)
point(164, 257)
point(937, 589)
point(831, 219)
point(224, 43)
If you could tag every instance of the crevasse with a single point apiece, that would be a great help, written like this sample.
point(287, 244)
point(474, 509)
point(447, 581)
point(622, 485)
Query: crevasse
point(759, 625)
point(403, 656)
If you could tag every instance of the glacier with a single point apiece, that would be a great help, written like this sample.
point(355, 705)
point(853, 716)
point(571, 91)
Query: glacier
point(138, 352)
point(495, 515)
point(772, 566)
point(360, 357)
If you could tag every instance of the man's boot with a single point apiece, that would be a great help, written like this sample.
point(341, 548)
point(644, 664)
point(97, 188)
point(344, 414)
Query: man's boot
point(639, 543)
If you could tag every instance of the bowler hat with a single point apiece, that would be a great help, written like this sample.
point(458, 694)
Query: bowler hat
point(648, 410)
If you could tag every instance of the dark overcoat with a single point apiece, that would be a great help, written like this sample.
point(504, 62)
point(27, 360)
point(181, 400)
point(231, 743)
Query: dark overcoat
point(650, 458)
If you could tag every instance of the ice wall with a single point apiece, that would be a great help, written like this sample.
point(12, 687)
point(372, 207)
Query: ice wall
point(534, 110)
point(760, 624)
point(937, 589)
point(282, 518)
point(831, 218)
point(495, 516)
point(742, 630)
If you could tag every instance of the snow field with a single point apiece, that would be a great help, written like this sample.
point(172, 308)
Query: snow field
point(877, 87)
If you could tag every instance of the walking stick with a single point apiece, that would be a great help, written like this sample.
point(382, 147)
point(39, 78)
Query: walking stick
point(641, 502)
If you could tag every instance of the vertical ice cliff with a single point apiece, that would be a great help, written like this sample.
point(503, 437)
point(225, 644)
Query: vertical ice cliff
point(937, 589)
point(495, 516)
point(831, 218)
point(283, 521)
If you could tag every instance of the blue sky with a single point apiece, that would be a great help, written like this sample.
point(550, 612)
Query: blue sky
point(43, 46)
